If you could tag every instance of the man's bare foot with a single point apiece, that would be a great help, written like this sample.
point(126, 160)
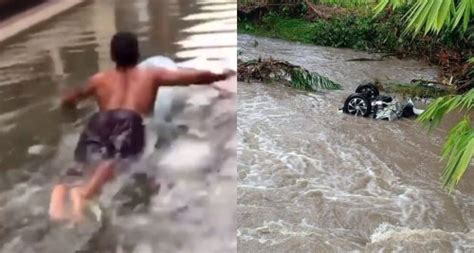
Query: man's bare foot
point(78, 204)
point(57, 204)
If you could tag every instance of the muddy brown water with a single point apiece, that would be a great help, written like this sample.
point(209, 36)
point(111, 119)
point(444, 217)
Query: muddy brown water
point(195, 208)
point(314, 180)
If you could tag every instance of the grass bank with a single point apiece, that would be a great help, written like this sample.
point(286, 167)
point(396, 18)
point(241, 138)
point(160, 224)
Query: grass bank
point(287, 28)
point(384, 34)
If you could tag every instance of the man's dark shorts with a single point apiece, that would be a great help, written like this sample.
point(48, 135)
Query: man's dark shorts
point(114, 134)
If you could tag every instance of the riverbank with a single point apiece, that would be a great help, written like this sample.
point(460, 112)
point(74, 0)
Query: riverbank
point(34, 16)
point(381, 34)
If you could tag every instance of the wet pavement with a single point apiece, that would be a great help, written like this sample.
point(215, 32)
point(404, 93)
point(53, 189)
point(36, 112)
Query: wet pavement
point(194, 210)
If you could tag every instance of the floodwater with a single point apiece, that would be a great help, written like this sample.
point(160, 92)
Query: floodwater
point(194, 210)
point(314, 180)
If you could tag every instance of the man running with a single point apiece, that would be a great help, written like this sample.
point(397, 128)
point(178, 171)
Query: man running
point(125, 95)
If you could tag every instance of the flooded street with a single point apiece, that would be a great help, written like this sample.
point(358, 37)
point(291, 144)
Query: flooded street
point(314, 180)
point(195, 208)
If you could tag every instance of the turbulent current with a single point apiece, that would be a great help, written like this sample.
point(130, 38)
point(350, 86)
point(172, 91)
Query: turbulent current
point(314, 180)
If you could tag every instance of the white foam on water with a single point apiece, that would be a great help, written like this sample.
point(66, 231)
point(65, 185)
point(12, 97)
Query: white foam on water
point(36, 149)
point(15, 245)
point(385, 232)
point(187, 156)
point(260, 187)
point(22, 192)
point(143, 248)
point(293, 145)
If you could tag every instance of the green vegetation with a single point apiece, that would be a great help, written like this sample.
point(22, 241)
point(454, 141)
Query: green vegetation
point(440, 31)
point(292, 29)
point(382, 33)
point(434, 15)
point(446, 40)
point(270, 70)
point(304, 80)
point(418, 89)
point(458, 149)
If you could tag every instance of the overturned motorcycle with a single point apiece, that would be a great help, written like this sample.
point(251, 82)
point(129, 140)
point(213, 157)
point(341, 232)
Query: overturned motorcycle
point(367, 101)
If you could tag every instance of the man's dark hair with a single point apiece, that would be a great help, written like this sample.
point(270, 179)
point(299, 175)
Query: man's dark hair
point(124, 49)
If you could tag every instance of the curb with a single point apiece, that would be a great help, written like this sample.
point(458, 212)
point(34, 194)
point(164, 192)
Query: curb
point(33, 17)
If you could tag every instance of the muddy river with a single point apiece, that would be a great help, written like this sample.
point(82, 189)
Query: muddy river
point(194, 210)
point(314, 180)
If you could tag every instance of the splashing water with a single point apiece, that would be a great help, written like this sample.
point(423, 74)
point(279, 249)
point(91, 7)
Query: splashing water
point(194, 208)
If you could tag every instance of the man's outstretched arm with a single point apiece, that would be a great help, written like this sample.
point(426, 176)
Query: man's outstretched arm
point(71, 98)
point(186, 77)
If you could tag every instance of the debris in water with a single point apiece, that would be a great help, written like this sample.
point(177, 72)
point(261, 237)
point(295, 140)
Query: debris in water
point(367, 100)
point(255, 43)
point(36, 149)
point(415, 89)
point(94, 207)
point(270, 70)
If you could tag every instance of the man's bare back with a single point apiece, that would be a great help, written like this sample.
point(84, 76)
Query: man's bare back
point(135, 89)
point(131, 89)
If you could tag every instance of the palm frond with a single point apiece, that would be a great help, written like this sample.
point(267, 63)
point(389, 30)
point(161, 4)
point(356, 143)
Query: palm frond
point(464, 11)
point(305, 80)
point(432, 15)
point(443, 105)
point(424, 15)
point(382, 4)
point(270, 70)
point(458, 151)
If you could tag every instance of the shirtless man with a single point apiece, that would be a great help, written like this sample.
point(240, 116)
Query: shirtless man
point(125, 95)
